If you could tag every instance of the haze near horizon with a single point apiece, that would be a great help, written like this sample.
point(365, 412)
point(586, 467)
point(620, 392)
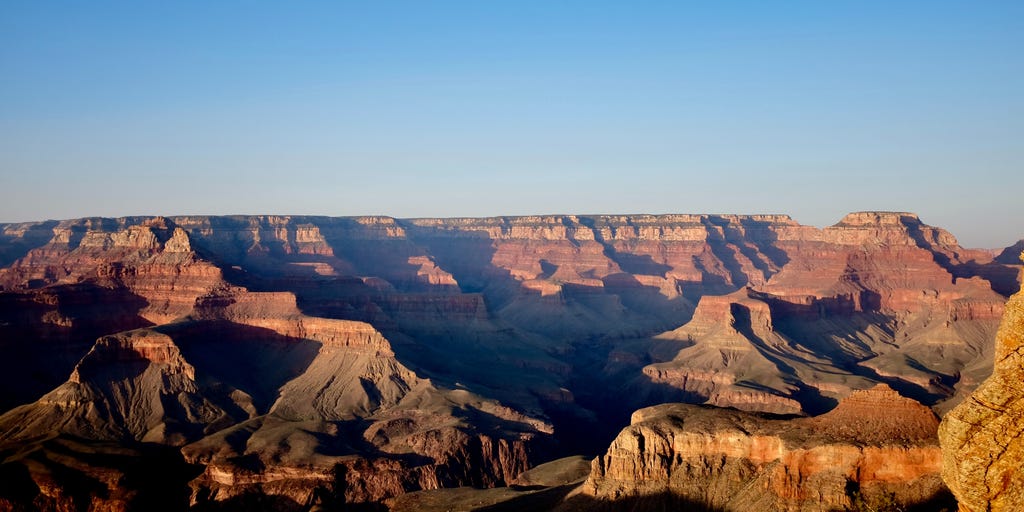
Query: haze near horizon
point(479, 109)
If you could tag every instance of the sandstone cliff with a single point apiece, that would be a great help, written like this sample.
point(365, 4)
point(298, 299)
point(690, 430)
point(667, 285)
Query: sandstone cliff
point(983, 437)
point(875, 448)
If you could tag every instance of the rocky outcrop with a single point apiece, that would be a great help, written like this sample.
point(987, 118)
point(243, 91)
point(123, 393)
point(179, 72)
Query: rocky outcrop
point(875, 448)
point(983, 437)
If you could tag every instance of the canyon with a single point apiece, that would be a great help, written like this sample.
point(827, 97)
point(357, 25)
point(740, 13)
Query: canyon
point(731, 362)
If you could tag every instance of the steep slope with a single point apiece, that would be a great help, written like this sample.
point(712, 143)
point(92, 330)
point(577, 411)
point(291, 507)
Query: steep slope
point(133, 385)
point(983, 437)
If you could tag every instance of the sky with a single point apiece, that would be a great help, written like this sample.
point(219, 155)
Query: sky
point(482, 108)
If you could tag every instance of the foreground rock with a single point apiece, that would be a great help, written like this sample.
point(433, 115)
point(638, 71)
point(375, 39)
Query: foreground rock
point(983, 438)
point(875, 449)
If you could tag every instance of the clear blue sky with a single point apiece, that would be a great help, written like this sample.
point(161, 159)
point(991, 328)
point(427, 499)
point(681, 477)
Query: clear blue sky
point(485, 108)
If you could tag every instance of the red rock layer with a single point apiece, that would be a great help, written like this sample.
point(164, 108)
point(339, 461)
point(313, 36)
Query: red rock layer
point(153, 259)
point(729, 460)
point(877, 416)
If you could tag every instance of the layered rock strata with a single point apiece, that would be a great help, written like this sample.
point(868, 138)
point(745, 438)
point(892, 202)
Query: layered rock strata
point(875, 448)
point(316, 359)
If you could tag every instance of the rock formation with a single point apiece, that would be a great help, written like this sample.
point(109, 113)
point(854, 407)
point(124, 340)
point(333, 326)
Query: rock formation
point(732, 344)
point(983, 437)
point(874, 448)
point(300, 396)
